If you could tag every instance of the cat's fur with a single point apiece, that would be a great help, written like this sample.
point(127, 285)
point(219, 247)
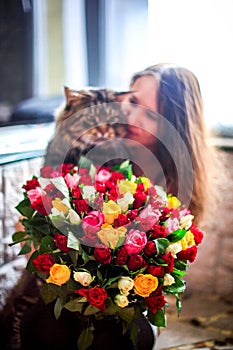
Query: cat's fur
point(90, 123)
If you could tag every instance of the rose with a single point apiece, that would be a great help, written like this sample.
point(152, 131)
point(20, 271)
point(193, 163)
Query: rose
point(198, 235)
point(186, 221)
point(31, 184)
point(125, 284)
point(173, 202)
point(95, 296)
point(168, 279)
point(72, 180)
point(52, 191)
point(188, 254)
point(103, 175)
point(90, 237)
point(59, 274)
point(83, 277)
point(115, 176)
point(150, 248)
point(81, 206)
point(43, 262)
point(93, 220)
point(187, 241)
point(135, 262)
point(88, 192)
point(121, 300)
point(61, 242)
point(125, 186)
point(156, 270)
point(121, 220)
point(146, 183)
point(102, 254)
point(39, 200)
point(121, 256)
point(158, 231)
point(111, 236)
point(139, 199)
point(48, 172)
point(169, 260)
point(61, 205)
point(148, 217)
point(135, 241)
point(111, 210)
point(155, 302)
point(174, 248)
point(125, 201)
point(144, 285)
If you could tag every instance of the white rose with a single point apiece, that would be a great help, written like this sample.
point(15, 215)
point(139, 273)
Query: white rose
point(168, 280)
point(125, 284)
point(88, 192)
point(125, 201)
point(84, 278)
point(121, 300)
point(186, 221)
point(174, 248)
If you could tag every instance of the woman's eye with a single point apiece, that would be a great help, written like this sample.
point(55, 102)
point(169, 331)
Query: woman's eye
point(133, 100)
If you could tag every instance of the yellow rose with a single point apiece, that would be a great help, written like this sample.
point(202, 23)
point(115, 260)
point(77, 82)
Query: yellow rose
point(59, 274)
point(83, 277)
point(111, 210)
point(173, 202)
point(146, 182)
point(187, 241)
point(126, 186)
point(144, 285)
point(60, 206)
point(125, 284)
point(111, 236)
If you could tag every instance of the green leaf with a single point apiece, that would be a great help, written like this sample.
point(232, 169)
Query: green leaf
point(19, 236)
point(26, 248)
point(177, 287)
point(60, 184)
point(58, 308)
point(133, 331)
point(176, 235)
point(161, 245)
point(75, 305)
point(49, 292)
point(90, 310)
point(178, 273)
point(127, 314)
point(110, 281)
point(181, 265)
point(85, 339)
point(47, 245)
point(73, 242)
point(24, 208)
point(157, 319)
point(178, 304)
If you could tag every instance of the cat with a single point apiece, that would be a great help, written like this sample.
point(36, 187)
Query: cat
point(90, 123)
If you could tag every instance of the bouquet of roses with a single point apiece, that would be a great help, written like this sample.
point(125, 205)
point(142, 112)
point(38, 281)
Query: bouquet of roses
point(106, 243)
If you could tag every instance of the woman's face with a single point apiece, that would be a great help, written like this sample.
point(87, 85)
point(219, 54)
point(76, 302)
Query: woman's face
point(141, 108)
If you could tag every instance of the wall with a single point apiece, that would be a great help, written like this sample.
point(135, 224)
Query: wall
point(211, 272)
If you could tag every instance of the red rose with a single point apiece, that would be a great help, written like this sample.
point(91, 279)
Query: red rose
point(94, 219)
point(98, 202)
point(61, 242)
point(44, 262)
point(132, 214)
point(67, 168)
point(113, 194)
point(53, 192)
point(188, 254)
point(31, 184)
point(96, 296)
point(157, 271)
point(115, 176)
point(100, 187)
point(150, 248)
point(169, 260)
point(81, 206)
point(135, 262)
point(76, 193)
point(103, 254)
point(121, 256)
point(121, 220)
point(158, 231)
point(110, 184)
point(141, 188)
point(198, 235)
point(40, 201)
point(139, 199)
point(155, 302)
point(165, 214)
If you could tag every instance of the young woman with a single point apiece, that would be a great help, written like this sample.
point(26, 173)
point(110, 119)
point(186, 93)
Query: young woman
point(167, 132)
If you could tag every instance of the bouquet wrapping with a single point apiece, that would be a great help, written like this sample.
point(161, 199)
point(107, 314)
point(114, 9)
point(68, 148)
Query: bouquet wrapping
point(106, 243)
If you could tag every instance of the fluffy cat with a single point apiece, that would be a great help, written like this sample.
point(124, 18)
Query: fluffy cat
point(89, 123)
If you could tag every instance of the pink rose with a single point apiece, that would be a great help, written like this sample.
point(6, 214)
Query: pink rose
point(72, 180)
point(94, 219)
point(102, 176)
point(149, 217)
point(39, 200)
point(135, 241)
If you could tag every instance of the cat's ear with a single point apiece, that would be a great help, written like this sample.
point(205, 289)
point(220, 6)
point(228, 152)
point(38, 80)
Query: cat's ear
point(73, 97)
point(122, 96)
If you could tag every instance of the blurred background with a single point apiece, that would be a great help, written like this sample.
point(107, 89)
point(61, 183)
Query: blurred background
point(48, 44)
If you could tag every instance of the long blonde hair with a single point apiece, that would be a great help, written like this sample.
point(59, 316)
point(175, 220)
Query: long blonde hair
point(180, 103)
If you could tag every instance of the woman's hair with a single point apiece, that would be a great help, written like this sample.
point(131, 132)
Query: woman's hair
point(182, 151)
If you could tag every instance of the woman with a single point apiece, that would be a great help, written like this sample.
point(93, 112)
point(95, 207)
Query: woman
point(166, 128)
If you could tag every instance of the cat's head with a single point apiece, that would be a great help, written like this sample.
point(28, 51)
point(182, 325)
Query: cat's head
point(78, 100)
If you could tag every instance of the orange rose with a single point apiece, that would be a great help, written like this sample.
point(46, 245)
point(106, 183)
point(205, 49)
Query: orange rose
point(144, 285)
point(59, 274)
